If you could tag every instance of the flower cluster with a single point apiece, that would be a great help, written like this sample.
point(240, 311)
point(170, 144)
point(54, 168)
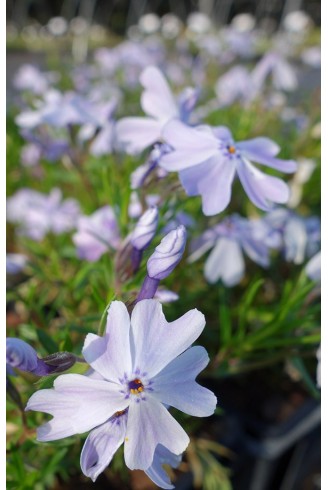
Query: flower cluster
point(152, 192)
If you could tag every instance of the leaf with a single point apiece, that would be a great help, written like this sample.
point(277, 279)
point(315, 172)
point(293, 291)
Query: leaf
point(246, 303)
point(298, 364)
point(224, 318)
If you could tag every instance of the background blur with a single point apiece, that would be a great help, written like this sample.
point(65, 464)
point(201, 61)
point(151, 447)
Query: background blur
point(118, 15)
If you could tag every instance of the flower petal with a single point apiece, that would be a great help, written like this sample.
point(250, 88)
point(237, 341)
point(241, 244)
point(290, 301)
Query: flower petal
point(157, 100)
point(295, 238)
point(156, 342)
point(212, 180)
point(263, 150)
point(156, 471)
point(284, 76)
point(101, 445)
point(137, 133)
point(262, 145)
point(175, 385)
point(78, 404)
point(110, 355)
point(225, 262)
point(150, 424)
point(313, 267)
point(215, 186)
point(192, 146)
point(191, 176)
point(262, 189)
point(256, 250)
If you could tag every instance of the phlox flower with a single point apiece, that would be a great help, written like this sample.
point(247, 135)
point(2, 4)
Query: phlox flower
point(235, 84)
point(58, 110)
point(298, 236)
point(96, 234)
point(157, 101)
point(31, 79)
point(229, 241)
point(141, 365)
point(38, 214)
point(208, 159)
point(20, 355)
point(42, 145)
point(283, 74)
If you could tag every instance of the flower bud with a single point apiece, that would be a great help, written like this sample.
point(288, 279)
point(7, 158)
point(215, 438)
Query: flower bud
point(60, 361)
point(21, 355)
point(167, 254)
point(145, 229)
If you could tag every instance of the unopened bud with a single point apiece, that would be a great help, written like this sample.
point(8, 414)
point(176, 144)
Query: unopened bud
point(145, 229)
point(21, 355)
point(167, 254)
point(60, 361)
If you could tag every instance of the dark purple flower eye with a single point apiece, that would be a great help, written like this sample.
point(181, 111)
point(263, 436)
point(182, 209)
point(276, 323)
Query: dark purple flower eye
point(136, 386)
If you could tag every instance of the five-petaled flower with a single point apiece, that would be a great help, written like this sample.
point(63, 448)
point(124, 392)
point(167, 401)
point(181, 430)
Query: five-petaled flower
point(208, 159)
point(140, 367)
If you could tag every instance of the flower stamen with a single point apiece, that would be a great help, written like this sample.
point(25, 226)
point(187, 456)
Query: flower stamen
point(136, 386)
point(231, 149)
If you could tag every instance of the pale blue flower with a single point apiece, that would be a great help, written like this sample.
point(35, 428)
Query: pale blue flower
point(37, 214)
point(58, 110)
point(298, 236)
point(235, 85)
point(229, 241)
point(22, 356)
point(96, 234)
point(30, 78)
point(284, 76)
point(208, 159)
point(141, 366)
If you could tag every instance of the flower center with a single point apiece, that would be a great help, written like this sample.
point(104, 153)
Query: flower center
point(231, 149)
point(136, 386)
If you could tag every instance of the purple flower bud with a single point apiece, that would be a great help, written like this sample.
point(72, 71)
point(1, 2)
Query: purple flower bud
point(145, 229)
point(59, 362)
point(21, 355)
point(167, 254)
